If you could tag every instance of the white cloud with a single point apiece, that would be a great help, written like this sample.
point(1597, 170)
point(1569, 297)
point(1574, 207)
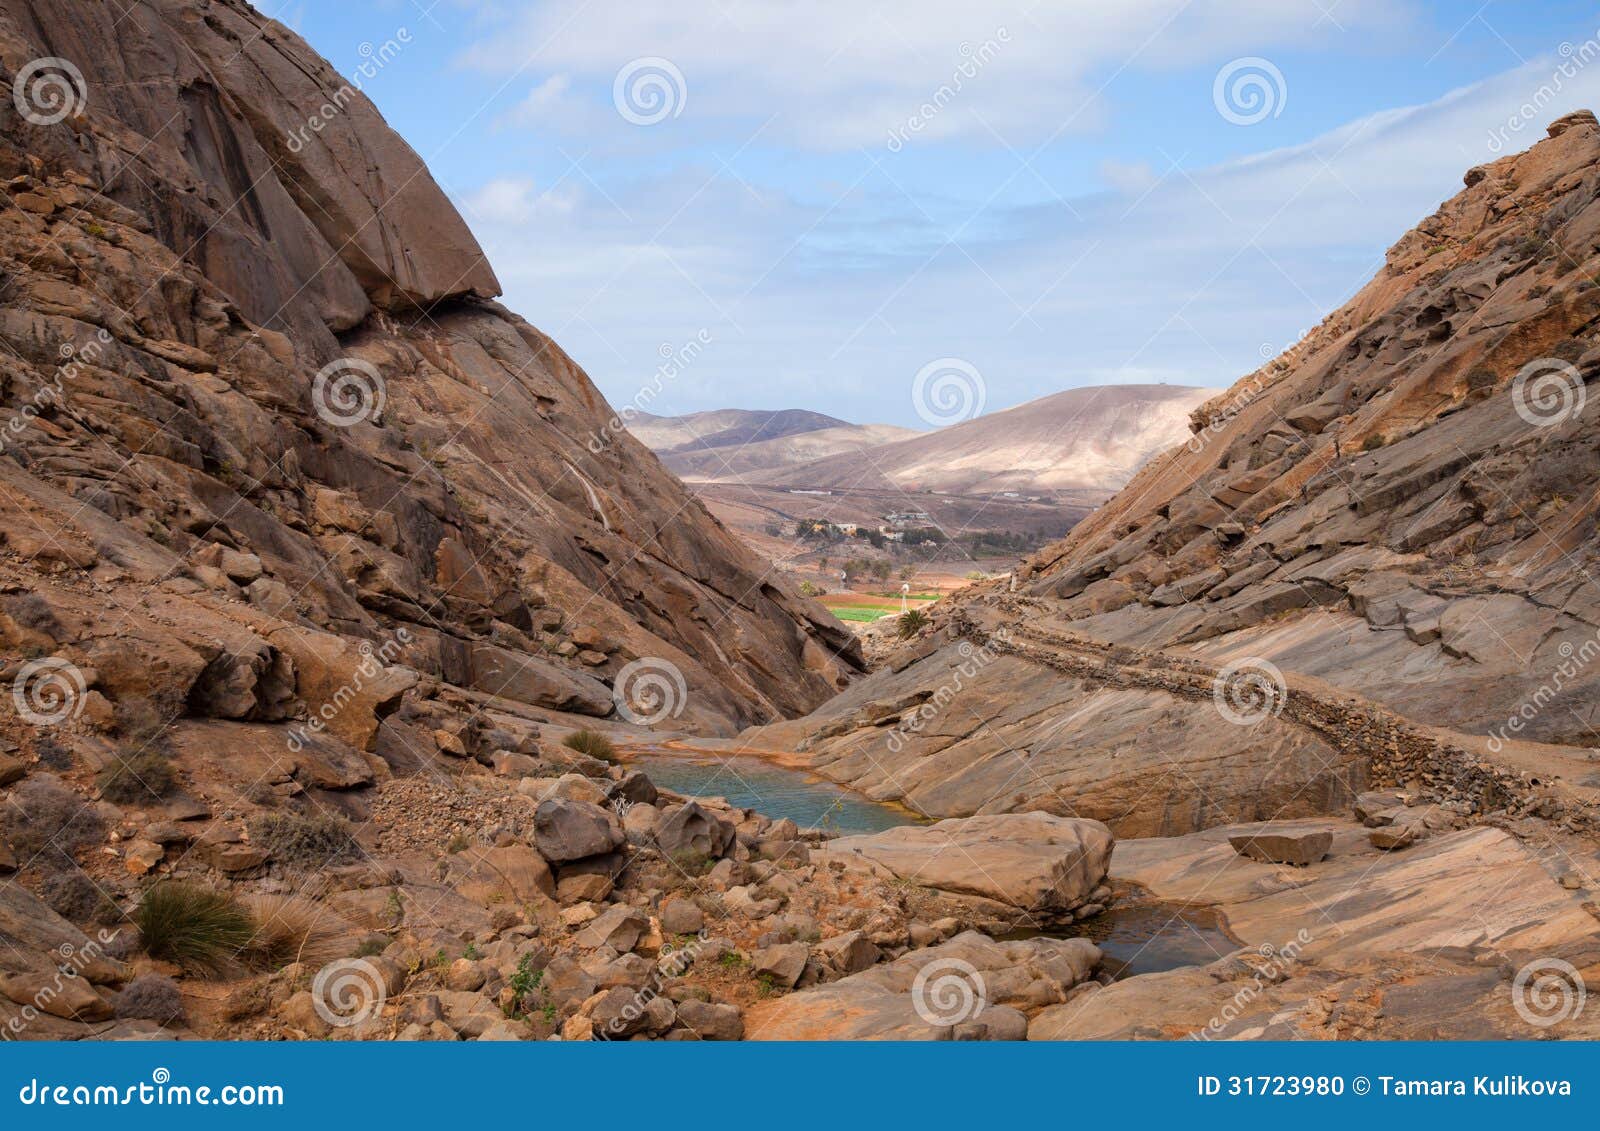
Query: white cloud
point(836, 301)
point(838, 74)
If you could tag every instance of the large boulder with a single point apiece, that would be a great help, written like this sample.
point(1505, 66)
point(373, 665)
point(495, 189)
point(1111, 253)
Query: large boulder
point(1287, 847)
point(1033, 862)
point(565, 830)
point(690, 830)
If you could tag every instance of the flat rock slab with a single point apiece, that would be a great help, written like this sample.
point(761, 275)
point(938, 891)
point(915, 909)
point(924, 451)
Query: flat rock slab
point(1474, 888)
point(970, 988)
point(1028, 861)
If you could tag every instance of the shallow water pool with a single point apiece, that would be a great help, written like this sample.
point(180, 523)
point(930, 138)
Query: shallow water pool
point(773, 790)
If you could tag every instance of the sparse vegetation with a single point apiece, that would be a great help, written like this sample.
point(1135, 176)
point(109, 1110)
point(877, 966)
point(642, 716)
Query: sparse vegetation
point(202, 930)
point(46, 823)
point(141, 778)
point(290, 929)
point(693, 864)
point(1373, 443)
point(32, 612)
point(140, 723)
point(150, 997)
point(592, 743)
point(912, 621)
point(305, 841)
point(527, 988)
point(73, 895)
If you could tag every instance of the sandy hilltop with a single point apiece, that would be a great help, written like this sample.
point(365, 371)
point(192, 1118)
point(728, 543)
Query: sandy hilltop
point(363, 682)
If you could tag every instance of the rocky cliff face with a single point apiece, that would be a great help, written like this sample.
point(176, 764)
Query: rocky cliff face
point(1389, 527)
point(262, 416)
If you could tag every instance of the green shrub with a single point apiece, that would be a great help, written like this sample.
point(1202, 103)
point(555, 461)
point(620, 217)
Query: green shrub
point(305, 842)
point(202, 930)
point(592, 743)
point(141, 778)
point(912, 621)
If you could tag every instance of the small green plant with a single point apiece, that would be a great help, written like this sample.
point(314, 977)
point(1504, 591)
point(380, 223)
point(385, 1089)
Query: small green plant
point(202, 930)
point(730, 960)
point(472, 953)
point(372, 947)
point(694, 864)
point(912, 621)
point(765, 986)
point(1373, 443)
point(460, 842)
point(526, 984)
point(592, 743)
point(395, 907)
point(141, 778)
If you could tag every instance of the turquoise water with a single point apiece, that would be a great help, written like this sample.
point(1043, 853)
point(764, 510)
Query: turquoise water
point(772, 790)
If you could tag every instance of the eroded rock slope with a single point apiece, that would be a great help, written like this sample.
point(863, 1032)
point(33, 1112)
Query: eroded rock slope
point(262, 410)
point(1373, 561)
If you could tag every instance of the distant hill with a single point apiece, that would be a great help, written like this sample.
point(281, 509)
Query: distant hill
point(733, 444)
point(1094, 437)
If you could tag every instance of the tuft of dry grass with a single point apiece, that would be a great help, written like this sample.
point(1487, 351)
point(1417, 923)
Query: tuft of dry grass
point(291, 929)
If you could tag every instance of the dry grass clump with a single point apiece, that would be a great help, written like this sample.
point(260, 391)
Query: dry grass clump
point(142, 778)
point(291, 929)
point(299, 841)
point(592, 743)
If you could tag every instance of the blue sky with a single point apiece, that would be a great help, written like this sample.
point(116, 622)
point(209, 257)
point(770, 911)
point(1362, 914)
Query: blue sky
point(839, 194)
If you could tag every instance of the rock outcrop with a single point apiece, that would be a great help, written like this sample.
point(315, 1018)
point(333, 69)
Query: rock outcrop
point(258, 394)
point(1032, 867)
point(1372, 564)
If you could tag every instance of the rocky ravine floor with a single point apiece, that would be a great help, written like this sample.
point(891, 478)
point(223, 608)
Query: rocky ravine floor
point(526, 891)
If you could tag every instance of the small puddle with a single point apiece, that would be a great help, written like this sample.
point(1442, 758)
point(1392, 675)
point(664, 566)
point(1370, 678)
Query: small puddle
point(1146, 938)
point(770, 789)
